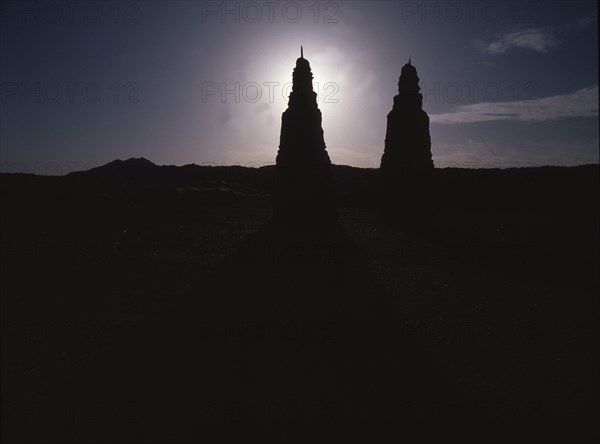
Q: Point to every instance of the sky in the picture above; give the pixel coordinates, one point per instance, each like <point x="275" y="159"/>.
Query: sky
<point x="505" y="83"/>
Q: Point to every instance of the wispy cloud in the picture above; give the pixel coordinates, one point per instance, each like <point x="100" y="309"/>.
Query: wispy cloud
<point x="582" y="103"/>
<point x="536" y="39"/>
<point x="518" y="153"/>
<point x="585" y="22"/>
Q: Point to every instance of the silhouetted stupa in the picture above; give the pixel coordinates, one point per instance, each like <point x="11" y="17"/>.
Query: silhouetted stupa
<point x="302" y="187"/>
<point x="406" y="165"/>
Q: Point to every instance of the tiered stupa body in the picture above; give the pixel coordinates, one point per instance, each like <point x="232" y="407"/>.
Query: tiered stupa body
<point x="407" y="165"/>
<point x="302" y="189"/>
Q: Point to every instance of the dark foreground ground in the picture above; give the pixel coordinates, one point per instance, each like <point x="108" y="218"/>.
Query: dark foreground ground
<point x="174" y="311"/>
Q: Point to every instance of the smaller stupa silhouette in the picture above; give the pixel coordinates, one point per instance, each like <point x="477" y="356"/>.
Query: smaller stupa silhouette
<point x="302" y="190"/>
<point x="407" y="166"/>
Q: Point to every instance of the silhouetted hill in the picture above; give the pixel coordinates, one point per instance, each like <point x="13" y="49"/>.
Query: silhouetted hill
<point x="128" y="166"/>
<point x="456" y="189"/>
<point x="133" y="170"/>
<point x="159" y="304"/>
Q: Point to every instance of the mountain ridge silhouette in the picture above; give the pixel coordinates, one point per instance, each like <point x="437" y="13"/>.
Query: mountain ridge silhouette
<point x="139" y="280"/>
<point x="134" y="164"/>
<point x="131" y="163"/>
<point x="489" y="189"/>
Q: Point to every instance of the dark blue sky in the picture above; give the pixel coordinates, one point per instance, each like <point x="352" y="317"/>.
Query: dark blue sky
<point x="82" y="83"/>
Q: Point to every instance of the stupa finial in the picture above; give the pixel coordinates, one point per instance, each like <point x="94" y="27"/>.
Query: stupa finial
<point x="301" y="52"/>
<point x="409" y="60"/>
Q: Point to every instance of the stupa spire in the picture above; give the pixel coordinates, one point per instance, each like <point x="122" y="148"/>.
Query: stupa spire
<point x="302" y="190"/>
<point x="407" y="164"/>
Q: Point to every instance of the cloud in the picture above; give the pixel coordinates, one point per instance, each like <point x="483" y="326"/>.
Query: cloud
<point x="536" y="39"/>
<point x="582" y="103"/>
<point x="519" y="153"/>
<point x="585" y="22"/>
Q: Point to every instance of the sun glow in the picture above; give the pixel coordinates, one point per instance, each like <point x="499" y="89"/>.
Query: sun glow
<point x="338" y="84"/>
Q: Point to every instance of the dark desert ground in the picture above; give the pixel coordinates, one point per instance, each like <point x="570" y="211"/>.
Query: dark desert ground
<point x="160" y="304"/>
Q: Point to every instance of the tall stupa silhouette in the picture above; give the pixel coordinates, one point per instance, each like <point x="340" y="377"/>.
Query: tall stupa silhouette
<point x="407" y="166"/>
<point x="302" y="187"/>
